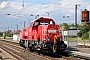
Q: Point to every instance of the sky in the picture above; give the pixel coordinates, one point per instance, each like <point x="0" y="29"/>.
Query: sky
<point x="16" y="12"/>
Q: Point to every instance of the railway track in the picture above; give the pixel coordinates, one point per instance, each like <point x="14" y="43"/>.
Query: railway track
<point x="22" y="54"/>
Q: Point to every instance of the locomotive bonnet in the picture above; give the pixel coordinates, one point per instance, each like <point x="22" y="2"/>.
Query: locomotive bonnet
<point x="42" y="35"/>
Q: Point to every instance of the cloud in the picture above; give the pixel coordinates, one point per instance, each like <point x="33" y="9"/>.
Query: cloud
<point x="56" y="11"/>
<point x="3" y="4"/>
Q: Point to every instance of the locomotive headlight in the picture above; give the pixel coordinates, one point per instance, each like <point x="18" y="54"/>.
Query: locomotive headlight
<point x="52" y="31"/>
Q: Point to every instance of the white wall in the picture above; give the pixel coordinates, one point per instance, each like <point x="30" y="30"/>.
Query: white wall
<point x="16" y="37"/>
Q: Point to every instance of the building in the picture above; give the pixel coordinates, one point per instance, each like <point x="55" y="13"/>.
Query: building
<point x="16" y="35"/>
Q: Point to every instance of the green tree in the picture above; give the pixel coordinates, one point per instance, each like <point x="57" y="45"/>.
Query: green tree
<point x="9" y="33"/>
<point x="85" y="36"/>
<point x="84" y="31"/>
<point x="66" y="25"/>
<point x="72" y="25"/>
<point x="1" y="34"/>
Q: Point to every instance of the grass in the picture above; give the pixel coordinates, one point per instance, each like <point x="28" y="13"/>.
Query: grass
<point x="6" y="37"/>
<point x="79" y="39"/>
<point x="70" y="39"/>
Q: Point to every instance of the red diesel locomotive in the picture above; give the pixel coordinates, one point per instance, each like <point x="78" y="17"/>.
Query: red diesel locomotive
<point x="42" y="35"/>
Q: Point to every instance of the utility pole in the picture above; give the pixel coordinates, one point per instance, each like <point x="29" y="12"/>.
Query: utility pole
<point x="8" y="28"/>
<point x="24" y="24"/>
<point x="17" y="26"/>
<point x="23" y="4"/>
<point x="89" y="35"/>
<point x="75" y="16"/>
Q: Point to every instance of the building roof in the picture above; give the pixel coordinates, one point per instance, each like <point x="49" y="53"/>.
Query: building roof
<point x="17" y="32"/>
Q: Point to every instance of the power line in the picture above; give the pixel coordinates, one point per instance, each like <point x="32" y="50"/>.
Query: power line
<point x="23" y="5"/>
<point x="34" y="11"/>
<point x="6" y="6"/>
<point x="19" y="13"/>
<point x="45" y="7"/>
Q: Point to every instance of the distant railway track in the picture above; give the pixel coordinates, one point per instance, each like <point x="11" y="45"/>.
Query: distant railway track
<point x="22" y="54"/>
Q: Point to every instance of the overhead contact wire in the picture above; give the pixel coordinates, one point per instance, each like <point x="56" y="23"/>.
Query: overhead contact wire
<point x="6" y="6"/>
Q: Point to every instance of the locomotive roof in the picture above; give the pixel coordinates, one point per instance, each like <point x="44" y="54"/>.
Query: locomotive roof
<point x="43" y="19"/>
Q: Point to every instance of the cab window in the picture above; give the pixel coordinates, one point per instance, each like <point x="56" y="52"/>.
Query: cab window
<point x="36" y="23"/>
<point x="44" y="23"/>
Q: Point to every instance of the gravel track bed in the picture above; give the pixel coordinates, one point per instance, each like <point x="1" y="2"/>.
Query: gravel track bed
<point x="28" y="55"/>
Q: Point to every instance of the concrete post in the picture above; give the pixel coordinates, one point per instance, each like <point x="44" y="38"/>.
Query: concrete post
<point x="89" y="35"/>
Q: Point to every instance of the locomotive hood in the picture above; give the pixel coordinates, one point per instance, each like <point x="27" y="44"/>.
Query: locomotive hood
<point x="48" y="32"/>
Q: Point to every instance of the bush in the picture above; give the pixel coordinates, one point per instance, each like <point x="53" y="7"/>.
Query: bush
<point x="85" y="36"/>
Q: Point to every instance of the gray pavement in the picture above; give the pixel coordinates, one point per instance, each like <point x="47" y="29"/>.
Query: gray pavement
<point x="80" y="51"/>
<point x="79" y="46"/>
